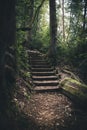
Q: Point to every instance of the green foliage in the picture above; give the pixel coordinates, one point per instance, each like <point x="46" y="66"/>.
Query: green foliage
<point x="41" y="41"/>
<point x="76" y="90"/>
<point x="22" y="58"/>
<point x="21" y="52"/>
<point x="72" y="50"/>
<point x="36" y="44"/>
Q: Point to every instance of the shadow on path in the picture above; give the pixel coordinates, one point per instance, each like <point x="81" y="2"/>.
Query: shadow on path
<point x="52" y="111"/>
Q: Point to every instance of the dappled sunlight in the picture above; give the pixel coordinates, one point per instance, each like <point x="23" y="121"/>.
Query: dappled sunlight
<point x="50" y="109"/>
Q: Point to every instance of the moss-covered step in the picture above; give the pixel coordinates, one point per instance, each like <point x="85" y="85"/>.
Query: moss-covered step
<point x="75" y="90"/>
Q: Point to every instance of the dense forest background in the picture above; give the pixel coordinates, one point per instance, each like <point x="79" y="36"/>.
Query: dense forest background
<point x="56" y="28"/>
<point x="66" y="20"/>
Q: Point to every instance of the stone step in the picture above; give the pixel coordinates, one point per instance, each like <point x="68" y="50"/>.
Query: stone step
<point x="32" y="55"/>
<point x="46" y="83"/>
<point x="36" y="58"/>
<point x="39" y="63"/>
<point x="43" y="74"/>
<point x="47" y="89"/>
<point x="41" y="66"/>
<point x="35" y="54"/>
<point x="51" y="73"/>
<point x="41" y="69"/>
<point x="41" y="78"/>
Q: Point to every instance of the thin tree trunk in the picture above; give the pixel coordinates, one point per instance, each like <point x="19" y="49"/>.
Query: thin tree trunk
<point x="84" y="17"/>
<point x="53" y="27"/>
<point x="63" y="20"/>
<point x="31" y="11"/>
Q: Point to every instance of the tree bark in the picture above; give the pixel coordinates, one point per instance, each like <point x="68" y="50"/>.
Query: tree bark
<point x="31" y="11"/>
<point x="84" y="17"/>
<point x="63" y="20"/>
<point x="53" y="28"/>
<point x="7" y="52"/>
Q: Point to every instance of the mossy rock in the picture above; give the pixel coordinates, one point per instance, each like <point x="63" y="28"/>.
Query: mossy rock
<point x="75" y="90"/>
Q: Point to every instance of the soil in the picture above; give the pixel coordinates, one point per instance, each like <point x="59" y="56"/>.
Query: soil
<point x="49" y="110"/>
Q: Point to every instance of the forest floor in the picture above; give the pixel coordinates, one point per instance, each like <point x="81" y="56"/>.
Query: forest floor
<point x="48" y="111"/>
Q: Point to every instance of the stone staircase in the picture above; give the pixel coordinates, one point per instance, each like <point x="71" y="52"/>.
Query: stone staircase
<point x="43" y="74"/>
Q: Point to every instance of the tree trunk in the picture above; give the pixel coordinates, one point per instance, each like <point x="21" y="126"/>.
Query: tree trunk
<point x="31" y="11"/>
<point x="84" y="17"/>
<point x="7" y="53"/>
<point x="63" y="20"/>
<point x="53" y="28"/>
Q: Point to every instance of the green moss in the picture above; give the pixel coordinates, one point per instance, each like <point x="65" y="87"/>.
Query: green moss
<point x="78" y="83"/>
<point x="70" y="80"/>
<point x="64" y="82"/>
<point x="75" y="88"/>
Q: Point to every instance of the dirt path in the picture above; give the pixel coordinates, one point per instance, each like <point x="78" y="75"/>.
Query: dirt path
<point x="49" y="111"/>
